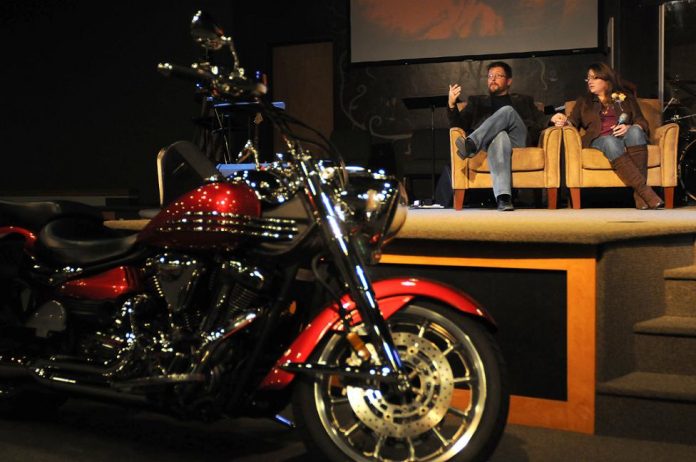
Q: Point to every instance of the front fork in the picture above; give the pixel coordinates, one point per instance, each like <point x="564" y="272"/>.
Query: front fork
<point x="346" y="255"/>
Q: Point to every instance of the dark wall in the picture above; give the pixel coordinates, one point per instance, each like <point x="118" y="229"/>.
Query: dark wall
<point x="84" y="108"/>
<point x="637" y="26"/>
<point x="371" y="97"/>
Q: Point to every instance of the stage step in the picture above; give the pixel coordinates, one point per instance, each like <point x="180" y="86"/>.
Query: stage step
<point x="680" y="291"/>
<point x="653" y="386"/>
<point x="646" y="419"/>
<point x="678" y="326"/>
<point x="646" y="405"/>
<point x="683" y="272"/>
<point x="667" y="354"/>
<point x="656" y="401"/>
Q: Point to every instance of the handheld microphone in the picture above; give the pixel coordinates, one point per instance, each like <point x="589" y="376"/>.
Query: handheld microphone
<point x="623" y="119"/>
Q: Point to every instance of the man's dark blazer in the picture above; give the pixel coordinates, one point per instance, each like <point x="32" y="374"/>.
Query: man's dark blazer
<point x="478" y="108"/>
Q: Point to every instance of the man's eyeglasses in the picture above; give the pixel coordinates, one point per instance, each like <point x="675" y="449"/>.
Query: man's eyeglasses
<point x="591" y="77"/>
<point x="496" y="76"/>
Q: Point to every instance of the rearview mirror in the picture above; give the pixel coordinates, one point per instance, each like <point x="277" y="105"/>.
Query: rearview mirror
<point x="206" y="32"/>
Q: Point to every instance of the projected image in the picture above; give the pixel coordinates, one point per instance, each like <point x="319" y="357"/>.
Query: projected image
<point x="398" y="30"/>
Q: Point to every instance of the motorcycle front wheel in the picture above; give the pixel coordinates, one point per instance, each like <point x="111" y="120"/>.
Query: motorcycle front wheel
<point x="455" y="410"/>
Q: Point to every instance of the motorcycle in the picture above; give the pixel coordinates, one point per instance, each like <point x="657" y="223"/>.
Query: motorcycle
<point x="247" y="295"/>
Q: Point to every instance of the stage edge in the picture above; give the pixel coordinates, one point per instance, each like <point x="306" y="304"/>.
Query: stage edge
<point x="577" y="413"/>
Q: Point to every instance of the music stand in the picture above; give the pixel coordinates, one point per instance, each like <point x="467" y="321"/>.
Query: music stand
<point x="424" y="102"/>
<point x="228" y="119"/>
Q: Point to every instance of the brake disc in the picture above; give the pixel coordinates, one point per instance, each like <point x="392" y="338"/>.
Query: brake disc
<point x="402" y="415"/>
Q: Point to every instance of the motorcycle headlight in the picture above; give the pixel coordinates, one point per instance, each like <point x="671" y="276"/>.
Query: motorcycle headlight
<point x="379" y="206"/>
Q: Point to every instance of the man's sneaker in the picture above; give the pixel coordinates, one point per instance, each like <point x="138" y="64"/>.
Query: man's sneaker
<point x="505" y="203"/>
<point x="465" y="147"/>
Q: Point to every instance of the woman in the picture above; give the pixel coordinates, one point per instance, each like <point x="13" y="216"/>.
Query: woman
<point x="614" y="124"/>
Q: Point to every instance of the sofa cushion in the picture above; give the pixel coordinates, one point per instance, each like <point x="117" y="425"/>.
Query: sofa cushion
<point x="523" y="160"/>
<point x="593" y="159"/>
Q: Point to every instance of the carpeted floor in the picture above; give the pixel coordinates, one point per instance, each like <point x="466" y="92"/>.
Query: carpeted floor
<point x="85" y="431"/>
<point x="567" y="226"/>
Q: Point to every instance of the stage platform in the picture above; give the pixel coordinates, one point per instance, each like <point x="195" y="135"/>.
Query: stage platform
<point x="596" y="308"/>
<point x="562" y="226"/>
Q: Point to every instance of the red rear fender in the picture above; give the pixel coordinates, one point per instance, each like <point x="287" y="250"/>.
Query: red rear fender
<point x="29" y="237"/>
<point x="392" y="295"/>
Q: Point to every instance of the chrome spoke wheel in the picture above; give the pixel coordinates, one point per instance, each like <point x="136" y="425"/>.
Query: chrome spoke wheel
<point x="434" y="420"/>
<point x="422" y="407"/>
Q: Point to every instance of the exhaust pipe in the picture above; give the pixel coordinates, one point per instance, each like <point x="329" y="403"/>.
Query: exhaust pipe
<point x="70" y="385"/>
<point x="56" y="376"/>
<point x="14" y="367"/>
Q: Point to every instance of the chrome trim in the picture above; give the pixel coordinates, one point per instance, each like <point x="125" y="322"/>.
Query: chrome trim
<point x="155" y="381"/>
<point x="235" y="215"/>
<point x="273" y="183"/>
<point x="182" y="274"/>
<point x="160" y="175"/>
<point x="273" y="229"/>
<point x="251" y="277"/>
<point x="347" y="257"/>
<point x="383" y="374"/>
<point x="283" y="421"/>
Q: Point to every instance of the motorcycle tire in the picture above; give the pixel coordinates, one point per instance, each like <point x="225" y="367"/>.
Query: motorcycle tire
<point x="442" y="350"/>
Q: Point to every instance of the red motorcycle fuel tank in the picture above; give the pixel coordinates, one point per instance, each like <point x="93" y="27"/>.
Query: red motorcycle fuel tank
<point x="212" y="216"/>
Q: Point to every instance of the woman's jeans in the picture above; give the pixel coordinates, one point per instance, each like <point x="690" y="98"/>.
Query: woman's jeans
<point x="613" y="147"/>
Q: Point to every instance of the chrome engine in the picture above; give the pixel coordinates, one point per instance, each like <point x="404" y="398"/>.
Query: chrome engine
<point x="175" y="333"/>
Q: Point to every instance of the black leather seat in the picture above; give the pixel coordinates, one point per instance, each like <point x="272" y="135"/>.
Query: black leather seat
<point x="33" y="215"/>
<point x="82" y="242"/>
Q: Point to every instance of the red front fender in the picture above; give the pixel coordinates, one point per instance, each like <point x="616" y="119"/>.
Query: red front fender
<point x="392" y="295"/>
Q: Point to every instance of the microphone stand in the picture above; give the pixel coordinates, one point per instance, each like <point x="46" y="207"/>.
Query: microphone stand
<point x="429" y="102"/>
<point x="432" y="138"/>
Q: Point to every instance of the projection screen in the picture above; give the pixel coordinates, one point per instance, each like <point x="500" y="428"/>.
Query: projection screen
<point x="410" y="30"/>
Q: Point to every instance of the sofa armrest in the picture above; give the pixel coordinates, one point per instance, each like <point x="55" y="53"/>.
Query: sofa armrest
<point x="550" y="141"/>
<point x="667" y="138"/>
<point x="669" y="131"/>
<point x="460" y="180"/>
<point x="573" y="157"/>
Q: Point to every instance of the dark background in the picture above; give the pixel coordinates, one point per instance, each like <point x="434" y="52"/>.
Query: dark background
<point x="84" y="109"/>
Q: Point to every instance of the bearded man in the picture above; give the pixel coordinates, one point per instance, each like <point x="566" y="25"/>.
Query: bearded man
<point x="496" y="123"/>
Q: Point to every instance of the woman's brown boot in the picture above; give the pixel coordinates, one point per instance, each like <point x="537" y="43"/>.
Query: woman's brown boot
<point x="629" y="174"/>
<point x="639" y="156"/>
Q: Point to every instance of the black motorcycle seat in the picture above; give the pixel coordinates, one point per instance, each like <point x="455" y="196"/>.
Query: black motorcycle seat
<point x="33" y="215"/>
<point x="82" y="242"/>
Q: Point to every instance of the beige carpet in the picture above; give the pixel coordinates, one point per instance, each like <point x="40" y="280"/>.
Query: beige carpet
<point x="586" y="226"/>
<point x="567" y="226"/>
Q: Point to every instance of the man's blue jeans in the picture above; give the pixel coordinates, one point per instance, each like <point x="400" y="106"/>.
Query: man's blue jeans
<point x="497" y="135"/>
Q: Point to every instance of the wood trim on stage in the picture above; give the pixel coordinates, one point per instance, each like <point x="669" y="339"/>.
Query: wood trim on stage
<point x="577" y="413"/>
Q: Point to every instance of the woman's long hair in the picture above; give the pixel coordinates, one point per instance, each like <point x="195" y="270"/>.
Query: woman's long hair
<point x="607" y="74"/>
